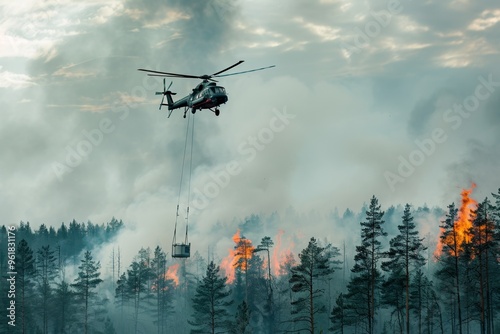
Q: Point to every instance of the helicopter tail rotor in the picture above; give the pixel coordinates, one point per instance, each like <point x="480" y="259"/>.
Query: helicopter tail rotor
<point x="166" y="93"/>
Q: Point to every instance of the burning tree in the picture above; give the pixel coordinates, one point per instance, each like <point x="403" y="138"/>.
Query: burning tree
<point x="449" y="261"/>
<point x="484" y="262"/>
<point x="455" y="239"/>
<point x="237" y="263"/>
<point x="238" y="257"/>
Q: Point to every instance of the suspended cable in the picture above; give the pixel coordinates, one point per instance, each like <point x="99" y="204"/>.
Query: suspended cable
<point x="180" y="183"/>
<point x="184" y="159"/>
<point x="189" y="181"/>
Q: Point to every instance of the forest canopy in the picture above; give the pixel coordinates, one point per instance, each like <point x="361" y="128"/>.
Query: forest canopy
<point x="395" y="279"/>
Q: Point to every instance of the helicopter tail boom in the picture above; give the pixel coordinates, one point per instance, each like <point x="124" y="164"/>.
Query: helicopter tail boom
<point x="170" y="101"/>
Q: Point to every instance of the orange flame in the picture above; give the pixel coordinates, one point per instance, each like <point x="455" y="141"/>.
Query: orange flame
<point x="243" y="251"/>
<point x="439" y="246"/>
<point x="238" y="257"/>
<point x="288" y="262"/>
<point x="172" y="273"/>
<point x="462" y="226"/>
<point x="275" y="259"/>
<point x="280" y="255"/>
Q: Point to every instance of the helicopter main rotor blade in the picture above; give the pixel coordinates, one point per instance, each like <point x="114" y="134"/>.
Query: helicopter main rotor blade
<point x="257" y="69"/>
<point x="230" y="67"/>
<point x="167" y="74"/>
<point x="171" y="76"/>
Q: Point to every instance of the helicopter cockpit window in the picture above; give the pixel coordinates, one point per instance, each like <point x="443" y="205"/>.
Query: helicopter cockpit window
<point x="218" y="90"/>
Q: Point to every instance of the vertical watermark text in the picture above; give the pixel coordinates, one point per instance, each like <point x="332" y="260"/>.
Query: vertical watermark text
<point x="11" y="275"/>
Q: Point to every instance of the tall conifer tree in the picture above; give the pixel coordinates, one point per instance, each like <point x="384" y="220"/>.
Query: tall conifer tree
<point x="405" y="256"/>
<point x="365" y="283"/>
<point x="316" y="264"/>
<point x="210" y="303"/>
<point x="85" y="284"/>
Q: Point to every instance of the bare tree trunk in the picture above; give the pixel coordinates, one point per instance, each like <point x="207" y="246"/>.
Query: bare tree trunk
<point x="407" y="288"/>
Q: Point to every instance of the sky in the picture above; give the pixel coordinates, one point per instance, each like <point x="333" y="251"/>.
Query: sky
<point x="397" y="99"/>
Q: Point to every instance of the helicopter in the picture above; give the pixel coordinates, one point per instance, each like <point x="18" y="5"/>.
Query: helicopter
<point x="206" y="95"/>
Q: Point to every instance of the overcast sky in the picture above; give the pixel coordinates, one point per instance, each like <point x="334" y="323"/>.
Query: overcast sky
<point x="398" y="99"/>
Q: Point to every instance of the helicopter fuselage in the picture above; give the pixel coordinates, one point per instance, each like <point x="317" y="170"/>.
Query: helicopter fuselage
<point x="206" y="95"/>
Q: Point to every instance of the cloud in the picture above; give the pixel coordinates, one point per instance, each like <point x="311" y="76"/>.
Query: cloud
<point x="15" y="80"/>
<point x="354" y="116"/>
<point x="488" y="19"/>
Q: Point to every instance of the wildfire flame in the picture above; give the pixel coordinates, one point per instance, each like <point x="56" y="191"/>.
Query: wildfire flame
<point x="172" y="273"/>
<point x="439" y="246"/>
<point x="461" y="226"/>
<point x="280" y="255"/>
<point x="244" y="250"/>
<point x="238" y="257"/>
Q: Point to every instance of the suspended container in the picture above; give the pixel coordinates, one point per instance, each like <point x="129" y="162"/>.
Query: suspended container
<point x="181" y="250"/>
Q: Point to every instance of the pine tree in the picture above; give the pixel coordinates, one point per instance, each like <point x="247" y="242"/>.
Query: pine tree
<point x="393" y="294"/>
<point x="405" y="256"/>
<point x="365" y="283"/>
<point x="417" y="290"/>
<point x="284" y="295"/>
<point x="163" y="288"/>
<point x="495" y="270"/>
<point x="483" y="261"/>
<point x="258" y="301"/>
<point x="265" y="245"/>
<point x="342" y="315"/>
<point x="315" y="264"/>
<point x="210" y="303"/>
<point x="121" y="297"/>
<point x="138" y="284"/>
<point x="25" y="268"/>
<point x="24" y="232"/>
<point x="63" y="307"/>
<point x="46" y="270"/>
<point x="85" y="284"/>
<point x="42" y="235"/>
<point x="244" y="251"/>
<point x="431" y="307"/>
<point x="242" y="320"/>
<point x="496" y="206"/>
<point x="76" y="237"/>
<point x="452" y="246"/>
